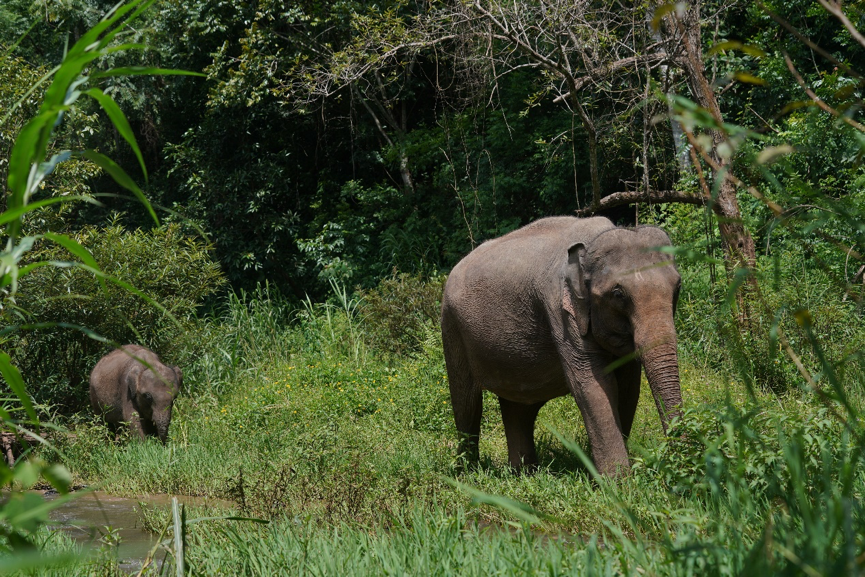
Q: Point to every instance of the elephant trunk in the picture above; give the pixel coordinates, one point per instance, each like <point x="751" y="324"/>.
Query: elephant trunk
<point x="161" y="423"/>
<point x="657" y="349"/>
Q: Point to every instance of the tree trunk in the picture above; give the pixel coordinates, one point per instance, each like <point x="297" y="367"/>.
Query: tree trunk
<point x="593" y="145"/>
<point x="738" y="244"/>
<point x="679" y="141"/>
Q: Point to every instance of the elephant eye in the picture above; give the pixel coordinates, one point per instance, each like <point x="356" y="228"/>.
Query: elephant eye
<point x="618" y="292"/>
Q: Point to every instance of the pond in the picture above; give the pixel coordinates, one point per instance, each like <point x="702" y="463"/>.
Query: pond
<point x="95" y="517"/>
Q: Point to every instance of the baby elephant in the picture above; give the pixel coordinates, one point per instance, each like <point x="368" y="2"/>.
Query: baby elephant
<point x="123" y="389"/>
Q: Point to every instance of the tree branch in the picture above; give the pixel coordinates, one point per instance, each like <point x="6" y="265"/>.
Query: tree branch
<point x="650" y="197"/>
<point x="834" y="8"/>
<point x="631" y="61"/>
<point x="817" y="100"/>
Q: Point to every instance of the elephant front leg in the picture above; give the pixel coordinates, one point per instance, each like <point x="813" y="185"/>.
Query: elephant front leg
<point x="136" y="427"/>
<point x="597" y="397"/>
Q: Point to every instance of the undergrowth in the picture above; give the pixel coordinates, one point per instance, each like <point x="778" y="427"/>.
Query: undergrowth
<point x="346" y="448"/>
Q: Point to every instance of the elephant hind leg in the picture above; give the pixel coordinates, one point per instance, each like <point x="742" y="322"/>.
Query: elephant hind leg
<point x="466" y="394"/>
<point x="519" y="420"/>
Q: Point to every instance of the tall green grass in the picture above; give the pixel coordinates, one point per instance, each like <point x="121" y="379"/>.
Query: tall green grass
<point x="352" y="457"/>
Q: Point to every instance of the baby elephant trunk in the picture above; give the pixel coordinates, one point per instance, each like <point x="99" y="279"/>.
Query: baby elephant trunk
<point x="161" y="422"/>
<point x="657" y="349"/>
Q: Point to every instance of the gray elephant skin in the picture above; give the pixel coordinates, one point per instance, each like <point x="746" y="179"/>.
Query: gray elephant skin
<point x="123" y="389"/>
<point x="563" y="306"/>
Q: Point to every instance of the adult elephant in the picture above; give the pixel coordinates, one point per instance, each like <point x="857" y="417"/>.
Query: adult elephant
<point x="563" y="305"/>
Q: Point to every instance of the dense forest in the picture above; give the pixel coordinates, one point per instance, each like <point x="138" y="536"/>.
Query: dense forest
<point x="271" y="194"/>
<point x="341" y="140"/>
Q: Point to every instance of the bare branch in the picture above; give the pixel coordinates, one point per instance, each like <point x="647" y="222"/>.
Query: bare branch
<point x="834" y="8"/>
<point x="611" y="68"/>
<point x="816" y="99"/>
<point x="641" y="196"/>
<point x="808" y="42"/>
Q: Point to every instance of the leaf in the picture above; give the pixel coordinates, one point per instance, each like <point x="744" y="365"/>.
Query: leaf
<point x="772" y="153"/>
<point x="135" y="291"/>
<point x="803" y="318"/>
<point x="24" y="510"/>
<point x="41" y="509"/>
<point x="660" y="12"/>
<point x="115" y="114"/>
<point x="749" y="78"/>
<point x="12" y="376"/>
<point x="16" y="213"/>
<point x="144" y="71"/>
<point x="24" y="155"/>
<point x="59" y="477"/>
<point x="518" y="509"/>
<point x="749" y="49"/>
<point x="23" y="561"/>
<point x="74" y="247"/>
<point x="88" y="40"/>
<point x="578" y="451"/>
<point x="120" y="176"/>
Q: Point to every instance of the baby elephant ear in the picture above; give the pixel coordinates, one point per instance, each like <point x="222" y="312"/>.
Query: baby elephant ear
<point x="179" y="374"/>
<point x="576" y="294"/>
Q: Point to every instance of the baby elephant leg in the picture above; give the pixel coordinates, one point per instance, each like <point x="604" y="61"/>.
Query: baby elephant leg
<point x="136" y="427"/>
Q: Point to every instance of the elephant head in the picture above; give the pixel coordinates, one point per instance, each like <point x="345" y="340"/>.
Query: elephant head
<point x="624" y="292"/>
<point x="153" y="391"/>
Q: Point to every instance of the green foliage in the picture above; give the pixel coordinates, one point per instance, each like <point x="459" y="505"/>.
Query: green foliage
<point x="288" y="412"/>
<point x="327" y="446"/>
<point x="400" y="311"/>
<point x="168" y="266"/>
<point x="30" y="161"/>
<point x="728" y="449"/>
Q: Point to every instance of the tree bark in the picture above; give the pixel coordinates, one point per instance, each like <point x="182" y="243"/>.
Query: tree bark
<point x="642" y="196"/>
<point x="593" y="147"/>
<point x="738" y="244"/>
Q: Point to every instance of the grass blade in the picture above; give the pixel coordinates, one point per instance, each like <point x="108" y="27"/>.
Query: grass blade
<point x="115" y="114"/>
<point x="120" y="176"/>
<point x="144" y="71"/>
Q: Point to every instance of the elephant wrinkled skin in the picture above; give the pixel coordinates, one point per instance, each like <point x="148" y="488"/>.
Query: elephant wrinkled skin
<point x="123" y="389"/>
<point x="543" y="312"/>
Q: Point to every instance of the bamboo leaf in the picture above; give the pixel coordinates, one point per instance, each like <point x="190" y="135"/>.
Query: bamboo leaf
<point x="12" y="376"/>
<point x="120" y="176"/>
<point x="88" y="40"/>
<point x="16" y="213"/>
<point x="74" y="247"/>
<point x="115" y="114"/>
<point x="24" y="155"/>
<point x="749" y="78"/>
<point x="144" y="71"/>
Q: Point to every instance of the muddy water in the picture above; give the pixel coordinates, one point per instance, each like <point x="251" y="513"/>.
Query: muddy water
<point x="86" y="518"/>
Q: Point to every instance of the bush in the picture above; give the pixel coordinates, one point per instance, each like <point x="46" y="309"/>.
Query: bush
<point x="396" y="311"/>
<point x="174" y="270"/>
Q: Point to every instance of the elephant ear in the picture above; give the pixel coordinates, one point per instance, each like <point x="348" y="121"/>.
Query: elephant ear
<point x="576" y="294"/>
<point x="179" y="376"/>
<point x="133" y="376"/>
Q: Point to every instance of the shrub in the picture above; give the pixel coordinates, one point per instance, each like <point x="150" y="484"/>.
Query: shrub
<point x="171" y="268"/>
<point x="396" y="311"/>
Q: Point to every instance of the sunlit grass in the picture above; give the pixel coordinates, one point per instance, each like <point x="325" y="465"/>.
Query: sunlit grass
<point x="347" y="452"/>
